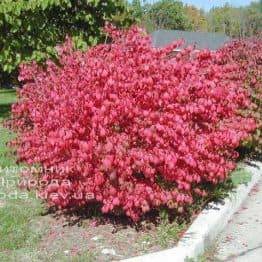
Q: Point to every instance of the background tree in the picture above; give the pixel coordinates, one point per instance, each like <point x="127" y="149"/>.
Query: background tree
<point x="137" y="7"/>
<point x="31" y="28"/>
<point x="236" y="22"/>
<point x="168" y="14"/>
<point x="253" y="18"/>
<point x="196" y="17"/>
<point x="220" y="19"/>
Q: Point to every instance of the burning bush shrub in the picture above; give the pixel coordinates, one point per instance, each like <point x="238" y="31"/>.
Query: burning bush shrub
<point x="248" y="56"/>
<point x="128" y="126"/>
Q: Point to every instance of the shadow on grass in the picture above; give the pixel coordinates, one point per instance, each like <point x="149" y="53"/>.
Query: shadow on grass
<point x="7" y="91"/>
<point x="5" y="110"/>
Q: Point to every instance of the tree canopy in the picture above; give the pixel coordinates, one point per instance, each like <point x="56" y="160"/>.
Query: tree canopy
<point x="172" y="14"/>
<point x="30" y="29"/>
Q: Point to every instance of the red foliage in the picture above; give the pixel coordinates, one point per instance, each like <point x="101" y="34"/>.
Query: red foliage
<point x="129" y="124"/>
<point x="247" y="54"/>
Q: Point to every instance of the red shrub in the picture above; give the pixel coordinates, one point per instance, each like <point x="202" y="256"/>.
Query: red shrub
<point x="247" y="54"/>
<point x="130" y="125"/>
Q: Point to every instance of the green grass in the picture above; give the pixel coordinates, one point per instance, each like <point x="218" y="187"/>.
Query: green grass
<point x="6" y="155"/>
<point x="16" y="229"/>
<point x="168" y="232"/>
<point x="7" y="97"/>
<point x="240" y="176"/>
<point x="18" y="208"/>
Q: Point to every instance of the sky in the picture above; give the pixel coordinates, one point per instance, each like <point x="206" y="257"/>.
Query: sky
<point x="207" y="4"/>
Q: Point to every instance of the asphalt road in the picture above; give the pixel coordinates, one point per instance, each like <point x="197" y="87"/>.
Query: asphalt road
<point x="241" y="241"/>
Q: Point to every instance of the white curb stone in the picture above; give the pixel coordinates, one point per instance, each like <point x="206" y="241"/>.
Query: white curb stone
<point x="108" y="251"/>
<point x="206" y="227"/>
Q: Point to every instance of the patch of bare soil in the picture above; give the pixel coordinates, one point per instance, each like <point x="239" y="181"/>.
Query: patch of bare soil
<point x="107" y="238"/>
<point x="2" y="203"/>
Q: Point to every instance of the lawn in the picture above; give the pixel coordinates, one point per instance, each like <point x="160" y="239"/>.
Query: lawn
<point x="7" y="97"/>
<point x="29" y="233"/>
<point x="16" y="214"/>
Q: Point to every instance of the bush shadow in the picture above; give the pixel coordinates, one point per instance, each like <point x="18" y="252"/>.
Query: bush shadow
<point x="118" y="220"/>
<point x="5" y="110"/>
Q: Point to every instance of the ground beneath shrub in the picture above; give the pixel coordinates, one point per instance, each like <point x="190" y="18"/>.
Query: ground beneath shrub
<point x="102" y="240"/>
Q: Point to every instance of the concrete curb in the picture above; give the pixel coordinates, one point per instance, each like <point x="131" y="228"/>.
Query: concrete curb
<point x="206" y="226"/>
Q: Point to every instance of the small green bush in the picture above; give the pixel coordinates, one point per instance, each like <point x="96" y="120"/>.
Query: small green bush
<point x="29" y="29"/>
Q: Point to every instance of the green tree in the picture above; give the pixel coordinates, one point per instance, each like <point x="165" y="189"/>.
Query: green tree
<point x="31" y="28"/>
<point x="236" y="22"/>
<point x="253" y="19"/>
<point x="196" y="18"/>
<point x="168" y="14"/>
<point x="220" y="19"/>
<point x="137" y="7"/>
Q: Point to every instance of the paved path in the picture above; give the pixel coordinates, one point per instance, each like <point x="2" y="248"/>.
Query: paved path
<point x="241" y="241"/>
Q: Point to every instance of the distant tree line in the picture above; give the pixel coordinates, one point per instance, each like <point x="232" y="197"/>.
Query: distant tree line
<point x="171" y="14"/>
